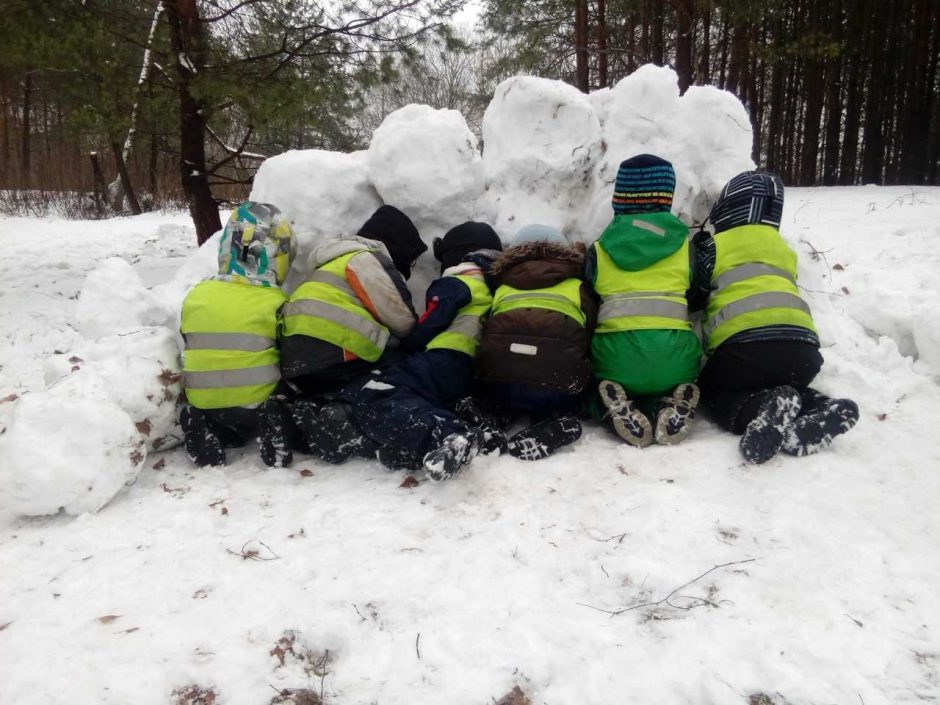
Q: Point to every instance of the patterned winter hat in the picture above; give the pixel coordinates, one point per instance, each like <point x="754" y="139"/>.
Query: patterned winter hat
<point x="395" y="230"/>
<point x="751" y="198"/>
<point x="257" y="244"/>
<point x="463" y="239"/>
<point x="645" y="184"/>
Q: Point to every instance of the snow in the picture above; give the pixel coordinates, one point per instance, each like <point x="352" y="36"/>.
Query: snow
<point x="457" y="591"/>
<point x="672" y="574"/>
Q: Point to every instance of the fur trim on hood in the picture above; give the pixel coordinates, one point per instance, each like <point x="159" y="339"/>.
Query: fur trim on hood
<point x="538" y="251"/>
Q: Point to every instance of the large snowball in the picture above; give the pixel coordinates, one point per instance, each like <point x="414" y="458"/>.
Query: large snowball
<point x="541" y="141"/>
<point x="425" y="162"/>
<point x="140" y="372"/>
<point x="115" y="300"/>
<point x="67" y="447"/>
<point x="706" y="134"/>
<point x="323" y="194"/>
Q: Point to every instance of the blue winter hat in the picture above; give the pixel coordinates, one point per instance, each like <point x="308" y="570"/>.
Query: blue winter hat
<point x="538" y="233"/>
<point x="750" y="198"/>
<point x="645" y="184"/>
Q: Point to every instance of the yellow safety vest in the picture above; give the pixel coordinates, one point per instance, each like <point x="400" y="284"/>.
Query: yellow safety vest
<point x="325" y="307"/>
<point x="230" y="334"/>
<point x="652" y="298"/>
<point x="564" y="298"/>
<point x="465" y="331"/>
<point x="753" y="285"/>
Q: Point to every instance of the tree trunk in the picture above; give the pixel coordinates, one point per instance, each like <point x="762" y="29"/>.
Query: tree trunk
<point x="704" y="66"/>
<point x="916" y="129"/>
<point x="858" y="28"/>
<point x="100" y="189"/>
<point x="24" y="136"/>
<point x="873" y="149"/>
<point x="814" y="103"/>
<point x="684" y="10"/>
<point x="128" y="190"/>
<point x="582" y="78"/>
<point x="657" y="31"/>
<point x="602" y="58"/>
<point x="186" y="38"/>
<point x="833" y="99"/>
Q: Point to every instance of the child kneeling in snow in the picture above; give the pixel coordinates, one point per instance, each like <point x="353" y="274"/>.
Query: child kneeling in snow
<point x="535" y="353"/>
<point x="759" y="336"/>
<point x="645" y="353"/>
<point x="229" y="327"/>
<point x="343" y="322"/>
<point x="407" y="410"/>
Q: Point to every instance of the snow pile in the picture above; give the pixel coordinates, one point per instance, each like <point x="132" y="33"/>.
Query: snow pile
<point x="140" y="372"/>
<point x="295" y="182"/>
<point x="549" y="154"/>
<point x="542" y="140"/>
<point x="115" y="300"/>
<point x="68" y="447"/>
<point x="426" y="162"/>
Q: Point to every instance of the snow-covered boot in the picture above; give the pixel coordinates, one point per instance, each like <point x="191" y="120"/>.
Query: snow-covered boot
<point x="202" y="446"/>
<point x="454" y="451"/>
<point x="543" y="438"/>
<point x="674" y="414"/>
<point x="469" y="412"/>
<point x="821" y="420"/>
<point x="763" y="436"/>
<point x="623" y="417"/>
<point x="400" y="458"/>
<point x="327" y="430"/>
<point x="272" y="435"/>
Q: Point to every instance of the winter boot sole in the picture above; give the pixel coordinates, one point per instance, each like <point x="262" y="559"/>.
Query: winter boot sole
<point x="625" y="418"/>
<point x="544" y="438"/>
<point x="673" y="422"/>
<point x="763" y="436"/>
<point x="816" y="430"/>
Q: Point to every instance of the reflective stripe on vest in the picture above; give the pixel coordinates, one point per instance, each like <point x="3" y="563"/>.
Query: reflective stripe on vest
<point x="228" y="341"/>
<point x="648" y="299"/>
<point x="218" y="379"/>
<point x="753" y="285"/>
<point x="466" y="330"/>
<point x="326" y="307"/>
<point x="230" y="358"/>
<point x="564" y="298"/>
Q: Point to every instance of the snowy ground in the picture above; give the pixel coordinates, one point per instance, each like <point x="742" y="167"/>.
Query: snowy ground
<point x="810" y="580"/>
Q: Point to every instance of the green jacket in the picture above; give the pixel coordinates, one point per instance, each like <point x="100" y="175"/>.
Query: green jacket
<point x="646" y="361"/>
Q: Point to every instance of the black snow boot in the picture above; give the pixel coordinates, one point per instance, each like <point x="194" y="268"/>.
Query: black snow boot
<point x="454" y="451"/>
<point x="623" y="417"/>
<point x="763" y="436"/>
<point x="820" y="421"/>
<point x="327" y="430"/>
<point x="468" y="411"/>
<point x="674" y="414"/>
<point x="273" y="439"/>
<point x="202" y="446"/>
<point x="400" y="458"/>
<point x="542" y="439"/>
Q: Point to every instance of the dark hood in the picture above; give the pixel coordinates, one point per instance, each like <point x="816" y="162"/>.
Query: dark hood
<point x="537" y="265"/>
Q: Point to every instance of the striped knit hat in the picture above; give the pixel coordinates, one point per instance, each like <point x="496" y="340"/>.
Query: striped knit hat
<point x="750" y="198"/>
<point x="645" y="184"/>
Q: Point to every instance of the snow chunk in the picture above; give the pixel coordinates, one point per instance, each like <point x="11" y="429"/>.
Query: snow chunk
<point x="115" y="300"/>
<point x="49" y="460"/>
<point x="542" y="139"/>
<point x="141" y="373"/>
<point x="323" y="194"/>
<point x="426" y="162"/>
<point x="706" y="134"/>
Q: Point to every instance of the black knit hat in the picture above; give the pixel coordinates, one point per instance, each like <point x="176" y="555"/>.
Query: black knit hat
<point x="463" y="239"/>
<point x="645" y="184"/>
<point x="395" y="230"/>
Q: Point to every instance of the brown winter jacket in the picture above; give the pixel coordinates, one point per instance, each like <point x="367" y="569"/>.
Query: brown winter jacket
<point x="562" y="358"/>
